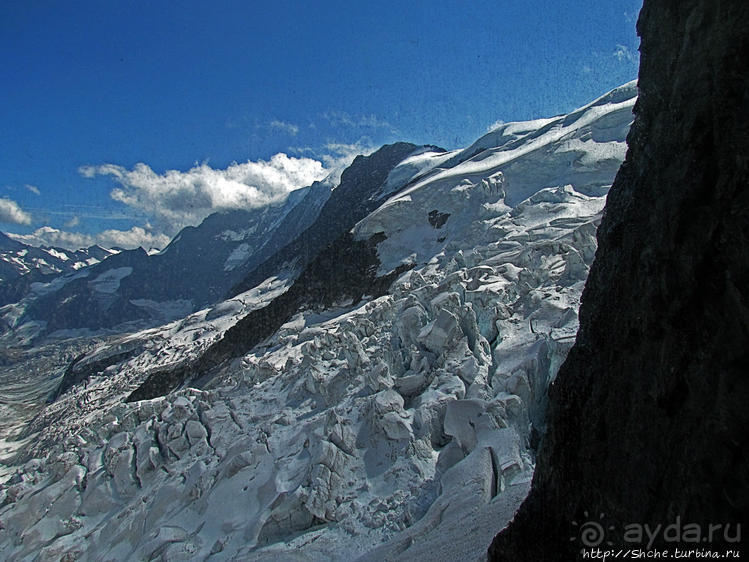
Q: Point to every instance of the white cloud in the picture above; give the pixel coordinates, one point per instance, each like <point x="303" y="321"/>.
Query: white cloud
<point x="32" y="188"/>
<point x="48" y="236"/>
<point x="346" y="120"/>
<point x="11" y="213"/>
<point x="336" y="155"/>
<point x="176" y="199"/>
<point x="73" y="222"/>
<point x="495" y="125"/>
<point x="285" y="127"/>
<point x="87" y="171"/>
<point x="624" y="54"/>
<point x="375" y="122"/>
<point x="133" y="238"/>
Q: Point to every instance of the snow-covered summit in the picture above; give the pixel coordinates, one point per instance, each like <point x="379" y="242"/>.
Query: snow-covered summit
<point x="22" y="265"/>
<point x="452" y="197"/>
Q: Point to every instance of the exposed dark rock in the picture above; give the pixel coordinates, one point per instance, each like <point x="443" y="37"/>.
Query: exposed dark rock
<point x="648" y="416"/>
<point x="193" y="266"/>
<point x="301" y="216"/>
<point x="14" y="285"/>
<point x="334" y="267"/>
<point x="8" y="244"/>
<point x="238" y="248"/>
<point x="80" y="370"/>
<point x="437" y="219"/>
<point x="75" y="305"/>
<point x="22" y="265"/>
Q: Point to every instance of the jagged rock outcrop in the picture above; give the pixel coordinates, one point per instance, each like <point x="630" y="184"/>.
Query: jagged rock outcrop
<point x="21" y="265"/>
<point x="648" y="416"/>
<point x="344" y="271"/>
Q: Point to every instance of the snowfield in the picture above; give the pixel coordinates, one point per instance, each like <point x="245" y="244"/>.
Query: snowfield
<point x="395" y="428"/>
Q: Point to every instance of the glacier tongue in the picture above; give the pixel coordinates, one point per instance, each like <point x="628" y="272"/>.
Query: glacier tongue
<point x="400" y="427"/>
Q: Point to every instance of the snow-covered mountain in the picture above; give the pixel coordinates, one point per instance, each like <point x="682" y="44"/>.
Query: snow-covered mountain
<point x="380" y="400"/>
<point x="197" y="268"/>
<point x="22" y="265"/>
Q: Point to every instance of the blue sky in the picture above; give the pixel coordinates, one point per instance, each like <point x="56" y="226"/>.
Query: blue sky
<point x="121" y="122"/>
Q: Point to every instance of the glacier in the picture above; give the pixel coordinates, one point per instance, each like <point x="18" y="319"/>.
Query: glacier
<point x="393" y="427"/>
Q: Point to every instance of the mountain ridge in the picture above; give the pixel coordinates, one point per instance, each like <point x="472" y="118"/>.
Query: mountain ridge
<point x="349" y="202"/>
<point x="195" y="269"/>
<point x="22" y="265"/>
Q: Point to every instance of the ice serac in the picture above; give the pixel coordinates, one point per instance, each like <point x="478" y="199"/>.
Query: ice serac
<point x="381" y="402"/>
<point x="648" y="416"/>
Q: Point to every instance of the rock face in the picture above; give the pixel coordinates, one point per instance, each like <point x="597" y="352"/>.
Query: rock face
<point x="648" y="416"/>
<point x="344" y="271"/>
<point x="334" y="267"/>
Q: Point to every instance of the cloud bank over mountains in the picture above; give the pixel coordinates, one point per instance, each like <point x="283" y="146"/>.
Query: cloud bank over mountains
<point x="174" y="199"/>
<point x="111" y="238"/>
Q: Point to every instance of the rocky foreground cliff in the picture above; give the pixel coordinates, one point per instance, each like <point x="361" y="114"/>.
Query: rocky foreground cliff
<point x="648" y="416"/>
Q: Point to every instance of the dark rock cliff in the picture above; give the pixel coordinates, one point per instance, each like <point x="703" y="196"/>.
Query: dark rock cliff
<point x="22" y="265"/>
<point x="75" y="305"/>
<point x="649" y="416"/>
<point x="332" y="267"/>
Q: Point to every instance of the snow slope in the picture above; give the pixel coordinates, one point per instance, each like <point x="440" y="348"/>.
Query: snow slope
<point x="398" y="427"/>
